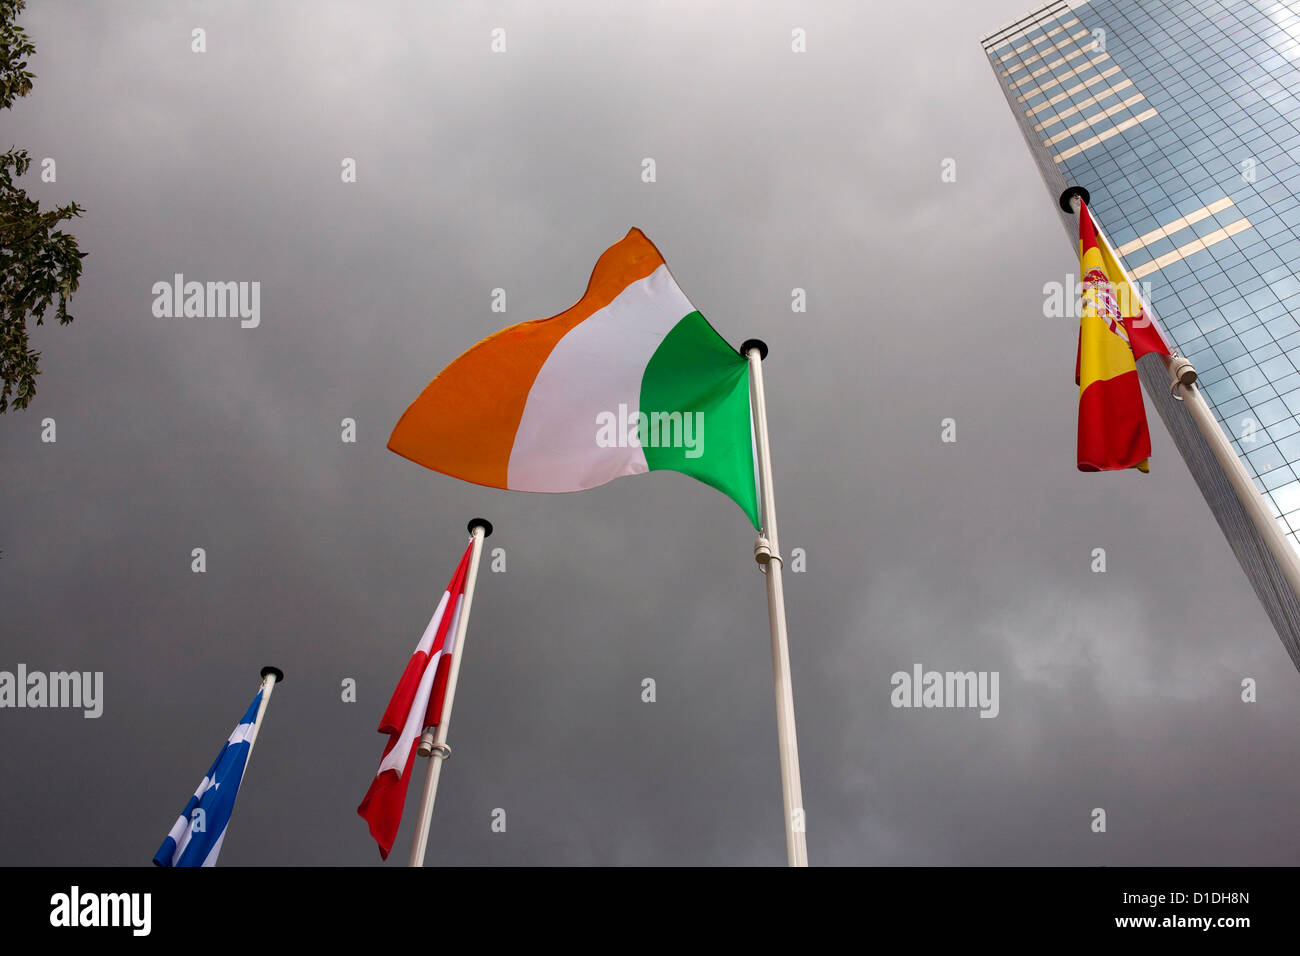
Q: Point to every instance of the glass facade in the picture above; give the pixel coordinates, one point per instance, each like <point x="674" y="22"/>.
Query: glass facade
<point x="1182" y="119"/>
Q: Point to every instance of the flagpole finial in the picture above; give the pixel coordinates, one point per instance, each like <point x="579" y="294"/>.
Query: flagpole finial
<point x="279" y="674"/>
<point x="754" y="344"/>
<point x="1067" y="197"/>
<point x="480" y="523"/>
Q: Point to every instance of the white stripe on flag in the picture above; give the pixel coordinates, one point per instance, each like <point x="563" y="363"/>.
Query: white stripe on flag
<point x="414" y="726"/>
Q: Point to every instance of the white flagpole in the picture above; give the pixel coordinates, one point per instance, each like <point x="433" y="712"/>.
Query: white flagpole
<point x="767" y="553"/>
<point x="270" y="677"/>
<point x="1183" y="375"/>
<point x="434" y="744"/>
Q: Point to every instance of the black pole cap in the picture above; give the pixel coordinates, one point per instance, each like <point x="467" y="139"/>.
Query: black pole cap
<point x="754" y="344"/>
<point x="480" y="523"/>
<point x="279" y="674"/>
<point x="1070" y="193"/>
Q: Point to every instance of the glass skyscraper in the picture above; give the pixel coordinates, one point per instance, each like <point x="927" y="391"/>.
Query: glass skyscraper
<point x="1182" y="120"/>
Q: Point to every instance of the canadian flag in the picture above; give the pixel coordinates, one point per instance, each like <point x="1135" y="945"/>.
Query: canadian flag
<point x="416" y="704"/>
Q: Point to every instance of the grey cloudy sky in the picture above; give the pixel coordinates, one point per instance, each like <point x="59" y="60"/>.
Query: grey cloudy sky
<point x="775" y="170"/>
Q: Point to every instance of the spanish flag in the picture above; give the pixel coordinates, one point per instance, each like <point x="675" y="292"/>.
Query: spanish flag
<point x="1114" y="331"/>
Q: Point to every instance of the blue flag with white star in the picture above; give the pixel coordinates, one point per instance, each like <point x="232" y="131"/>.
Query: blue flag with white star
<point x="196" y="838"/>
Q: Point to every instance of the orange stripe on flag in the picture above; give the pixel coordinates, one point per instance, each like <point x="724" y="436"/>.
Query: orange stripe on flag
<point x="464" y="422"/>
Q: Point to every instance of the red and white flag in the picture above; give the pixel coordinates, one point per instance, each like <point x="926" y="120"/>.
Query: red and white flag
<point x="416" y="704"/>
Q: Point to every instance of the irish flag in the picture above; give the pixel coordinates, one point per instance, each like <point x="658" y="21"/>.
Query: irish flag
<point x="1114" y="332"/>
<point x="630" y="379"/>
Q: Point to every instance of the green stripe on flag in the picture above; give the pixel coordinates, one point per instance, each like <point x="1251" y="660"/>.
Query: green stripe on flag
<point x="695" y="406"/>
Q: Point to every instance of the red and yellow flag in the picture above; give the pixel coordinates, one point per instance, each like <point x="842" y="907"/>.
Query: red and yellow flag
<point x="1114" y="332"/>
